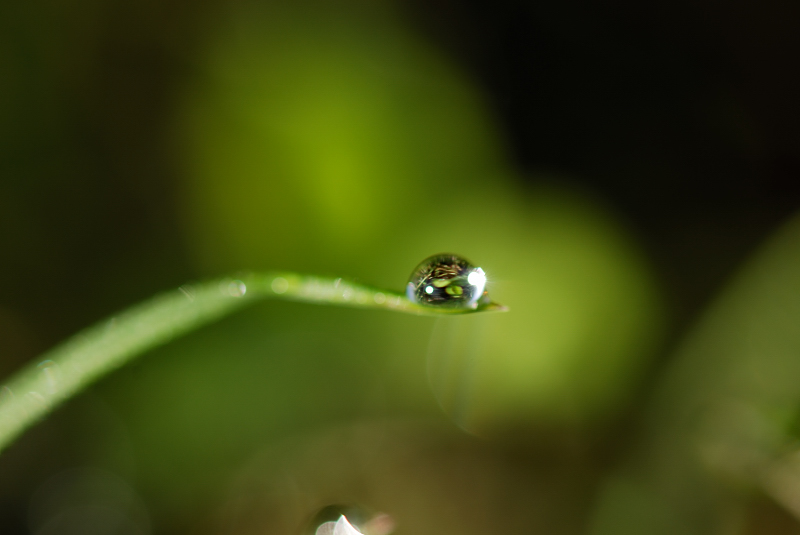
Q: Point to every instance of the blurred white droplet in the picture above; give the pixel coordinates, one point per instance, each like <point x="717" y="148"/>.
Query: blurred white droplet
<point x="343" y="527"/>
<point x="336" y="520"/>
<point x="325" y="529"/>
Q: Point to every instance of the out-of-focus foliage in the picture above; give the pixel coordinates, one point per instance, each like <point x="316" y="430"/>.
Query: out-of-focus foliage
<point x="735" y="374"/>
<point x="724" y="421"/>
<point x="353" y="138"/>
<point x="145" y="144"/>
<point x="325" y="141"/>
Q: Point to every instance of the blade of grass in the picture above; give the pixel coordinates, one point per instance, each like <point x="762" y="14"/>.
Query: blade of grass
<point x="68" y="368"/>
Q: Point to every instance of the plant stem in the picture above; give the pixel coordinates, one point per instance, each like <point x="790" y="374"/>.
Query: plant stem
<point x="68" y="368"/>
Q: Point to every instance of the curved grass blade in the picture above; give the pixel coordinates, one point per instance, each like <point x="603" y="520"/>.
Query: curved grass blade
<point x="68" y="368"/>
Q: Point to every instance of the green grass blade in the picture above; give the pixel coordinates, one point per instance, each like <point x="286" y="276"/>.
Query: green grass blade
<point x="66" y="369"/>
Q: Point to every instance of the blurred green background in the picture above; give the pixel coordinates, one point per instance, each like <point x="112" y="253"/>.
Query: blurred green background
<point x="625" y="174"/>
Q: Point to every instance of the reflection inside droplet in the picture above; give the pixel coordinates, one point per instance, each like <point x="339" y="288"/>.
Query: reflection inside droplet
<point x="446" y="280"/>
<point x="326" y="528"/>
<point x="36" y="398"/>
<point x="236" y="288"/>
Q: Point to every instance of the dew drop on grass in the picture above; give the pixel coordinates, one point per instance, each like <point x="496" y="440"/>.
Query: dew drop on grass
<point x="188" y="291"/>
<point x="36" y="398"/>
<point x="50" y="371"/>
<point x="447" y="281"/>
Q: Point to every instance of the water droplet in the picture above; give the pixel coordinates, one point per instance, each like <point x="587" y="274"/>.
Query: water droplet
<point x="326" y="528"/>
<point x="37" y="399"/>
<point x="347" y="293"/>
<point x="236" y="288"/>
<point x="325" y="519"/>
<point x="379" y="298"/>
<point x="51" y="374"/>
<point x="188" y="291"/>
<point x="446" y="280"/>
<point x="279" y="285"/>
<point x="6" y="394"/>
